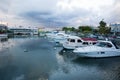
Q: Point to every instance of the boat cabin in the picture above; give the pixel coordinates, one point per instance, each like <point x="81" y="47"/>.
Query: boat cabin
<point x="107" y="44"/>
<point x="75" y="41"/>
<point x="84" y="41"/>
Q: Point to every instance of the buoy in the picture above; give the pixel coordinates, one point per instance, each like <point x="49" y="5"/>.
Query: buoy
<point x="25" y="50"/>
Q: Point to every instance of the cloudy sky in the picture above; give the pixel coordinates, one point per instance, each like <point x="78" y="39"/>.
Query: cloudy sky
<point x="58" y="13"/>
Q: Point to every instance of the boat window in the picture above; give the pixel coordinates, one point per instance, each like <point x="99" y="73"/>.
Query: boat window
<point x="104" y="44"/>
<point x="72" y="40"/>
<point x="94" y="43"/>
<point x="68" y="39"/>
<point x="109" y="45"/>
<point x="90" y="42"/>
<point x="85" y="43"/>
<point x="115" y="44"/>
<point x="79" y="41"/>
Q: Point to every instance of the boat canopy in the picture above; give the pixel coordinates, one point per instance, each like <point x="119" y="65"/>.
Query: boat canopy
<point x="89" y="39"/>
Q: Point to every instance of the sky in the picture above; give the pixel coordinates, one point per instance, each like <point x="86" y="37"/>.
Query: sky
<point x="58" y="13"/>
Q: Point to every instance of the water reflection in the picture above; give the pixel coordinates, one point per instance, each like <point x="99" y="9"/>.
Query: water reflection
<point x="86" y="68"/>
<point x="36" y="64"/>
<point x="108" y="67"/>
<point x="44" y="61"/>
<point x="67" y="54"/>
<point x="3" y="39"/>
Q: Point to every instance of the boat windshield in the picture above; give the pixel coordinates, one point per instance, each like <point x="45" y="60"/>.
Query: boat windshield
<point x="116" y="44"/>
<point x="104" y="44"/>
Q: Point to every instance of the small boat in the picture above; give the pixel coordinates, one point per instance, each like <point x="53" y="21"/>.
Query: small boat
<point x="60" y="38"/>
<point x="75" y="41"/>
<point x="99" y="50"/>
<point x="51" y="34"/>
<point x="57" y="37"/>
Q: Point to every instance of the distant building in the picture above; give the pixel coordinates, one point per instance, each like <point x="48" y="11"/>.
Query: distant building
<point x="20" y="31"/>
<point x="35" y="31"/>
<point x="46" y="29"/>
<point x="3" y="31"/>
<point x="115" y="28"/>
<point x="3" y="28"/>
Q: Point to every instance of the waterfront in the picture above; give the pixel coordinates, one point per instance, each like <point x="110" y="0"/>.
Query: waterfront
<point x="37" y="58"/>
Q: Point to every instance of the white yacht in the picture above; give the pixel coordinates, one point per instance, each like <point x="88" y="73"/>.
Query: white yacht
<point x="101" y="49"/>
<point x="51" y="34"/>
<point x="75" y="41"/>
<point x="60" y="38"/>
<point x="57" y="37"/>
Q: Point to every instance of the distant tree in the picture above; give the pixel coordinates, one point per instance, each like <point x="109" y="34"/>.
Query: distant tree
<point x="68" y="29"/>
<point x="102" y="28"/>
<point x="108" y="30"/>
<point x="95" y="31"/>
<point x="64" y="28"/>
<point x="102" y="23"/>
<point x="85" y="29"/>
<point x="72" y="29"/>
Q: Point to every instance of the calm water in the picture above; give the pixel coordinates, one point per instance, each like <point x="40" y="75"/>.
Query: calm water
<point x="40" y="59"/>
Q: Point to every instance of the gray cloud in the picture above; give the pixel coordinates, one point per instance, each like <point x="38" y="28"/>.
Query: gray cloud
<point x="5" y="5"/>
<point x="46" y="18"/>
<point x="51" y="19"/>
<point x="48" y="13"/>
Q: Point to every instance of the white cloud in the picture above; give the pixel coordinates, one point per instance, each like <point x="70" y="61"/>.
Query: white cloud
<point x="84" y="4"/>
<point x="64" y="12"/>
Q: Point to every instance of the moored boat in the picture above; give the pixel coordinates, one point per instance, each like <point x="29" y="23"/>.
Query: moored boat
<point x="75" y="41"/>
<point x="99" y="50"/>
<point x="60" y="38"/>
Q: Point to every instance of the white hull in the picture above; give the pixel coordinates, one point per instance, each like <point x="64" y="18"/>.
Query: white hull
<point x="99" y="54"/>
<point x="58" y="37"/>
<point x="75" y="42"/>
<point x="104" y="49"/>
<point x="71" y="46"/>
<point x="58" y="40"/>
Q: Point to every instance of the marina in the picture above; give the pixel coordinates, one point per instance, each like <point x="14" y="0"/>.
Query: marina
<point x="37" y="58"/>
<point x="59" y="40"/>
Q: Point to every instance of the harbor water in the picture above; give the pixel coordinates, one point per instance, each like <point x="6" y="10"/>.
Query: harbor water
<point x="37" y="58"/>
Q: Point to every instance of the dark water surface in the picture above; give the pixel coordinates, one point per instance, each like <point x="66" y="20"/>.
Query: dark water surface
<point x="39" y="59"/>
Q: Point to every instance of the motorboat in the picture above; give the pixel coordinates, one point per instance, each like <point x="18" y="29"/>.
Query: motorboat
<point x="75" y="41"/>
<point x="60" y="38"/>
<point x="51" y="34"/>
<point x="99" y="50"/>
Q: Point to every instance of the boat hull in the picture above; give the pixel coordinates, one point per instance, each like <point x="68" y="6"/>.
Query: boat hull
<point x="72" y="46"/>
<point x="100" y="54"/>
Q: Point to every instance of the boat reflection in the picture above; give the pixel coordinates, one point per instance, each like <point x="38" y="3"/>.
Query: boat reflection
<point x="3" y="39"/>
<point x="108" y="68"/>
<point x="67" y="54"/>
